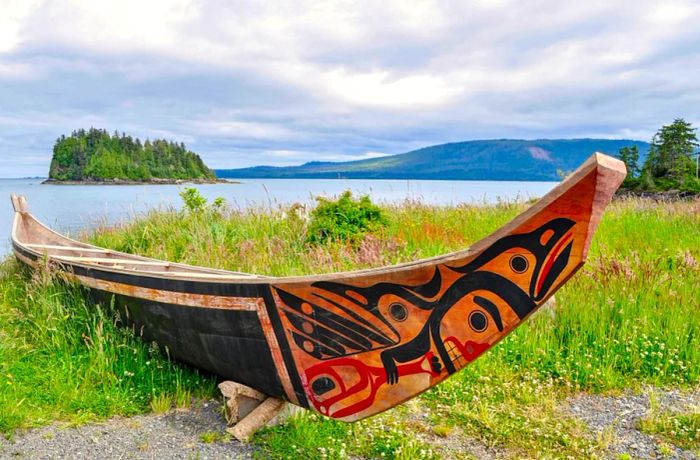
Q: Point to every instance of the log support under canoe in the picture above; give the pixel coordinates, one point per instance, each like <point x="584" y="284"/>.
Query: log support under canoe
<point x="248" y="410"/>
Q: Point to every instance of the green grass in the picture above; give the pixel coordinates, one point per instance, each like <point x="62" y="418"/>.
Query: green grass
<point x="682" y="429"/>
<point x="309" y="435"/>
<point x="680" y="426"/>
<point x="629" y="318"/>
<point x="211" y="437"/>
<point x="64" y="358"/>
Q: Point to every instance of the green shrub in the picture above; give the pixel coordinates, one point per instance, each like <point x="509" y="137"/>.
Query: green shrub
<point x="219" y="203"/>
<point x="193" y="200"/>
<point x="345" y="219"/>
<point x="195" y="203"/>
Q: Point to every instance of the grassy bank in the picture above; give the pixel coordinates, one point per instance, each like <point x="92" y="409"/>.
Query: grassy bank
<point x="64" y="358"/>
<point x="628" y="319"/>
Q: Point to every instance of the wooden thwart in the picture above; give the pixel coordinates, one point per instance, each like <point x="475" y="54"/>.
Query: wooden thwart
<point x="248" y="410"/>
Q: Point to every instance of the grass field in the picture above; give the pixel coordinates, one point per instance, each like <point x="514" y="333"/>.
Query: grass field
<point x="629" y="318"/>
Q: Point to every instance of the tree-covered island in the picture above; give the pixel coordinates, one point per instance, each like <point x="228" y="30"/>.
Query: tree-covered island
<point x="95" y="156"/>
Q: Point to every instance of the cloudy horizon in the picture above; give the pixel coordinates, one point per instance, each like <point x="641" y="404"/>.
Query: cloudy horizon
<point x="283" y="83"/>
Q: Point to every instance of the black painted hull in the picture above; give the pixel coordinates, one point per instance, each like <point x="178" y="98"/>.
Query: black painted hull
<point x="228" y="343"/>
<point x="225" y="342"/>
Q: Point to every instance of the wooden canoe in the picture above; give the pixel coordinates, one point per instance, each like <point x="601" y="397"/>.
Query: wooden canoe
<point x="348" y="345"/>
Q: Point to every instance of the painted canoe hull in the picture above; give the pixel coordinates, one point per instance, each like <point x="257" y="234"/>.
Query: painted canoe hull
<point x="348" y="345"/>
<point x="229" y="342"/>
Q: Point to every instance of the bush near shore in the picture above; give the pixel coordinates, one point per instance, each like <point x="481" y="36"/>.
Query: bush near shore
<point x="629" y="318"/>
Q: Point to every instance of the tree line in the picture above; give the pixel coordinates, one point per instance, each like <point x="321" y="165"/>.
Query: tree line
<point x="96" y="155"/>
<point x="672" y="162"/>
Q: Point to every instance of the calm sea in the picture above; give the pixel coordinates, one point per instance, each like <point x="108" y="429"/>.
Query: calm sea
<point x="71" y="208"/>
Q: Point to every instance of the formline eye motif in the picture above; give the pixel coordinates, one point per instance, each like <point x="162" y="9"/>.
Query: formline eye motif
<point x="398" y="312"/>
<point x="478" y="321"/>
<point x="519" y="264"/>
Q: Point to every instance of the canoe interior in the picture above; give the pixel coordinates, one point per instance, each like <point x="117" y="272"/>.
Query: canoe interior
<point x="35" y="237"/>
<point x="348" y="345"/>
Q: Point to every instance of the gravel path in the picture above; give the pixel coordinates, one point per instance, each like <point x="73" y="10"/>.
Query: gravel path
<point x="618" y="415"/>
<point x="175" y="435"/>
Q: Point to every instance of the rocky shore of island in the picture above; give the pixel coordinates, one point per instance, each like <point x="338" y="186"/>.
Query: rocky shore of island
<point x="658" y="195"/>
<point x="152" y="181"/>
<point x="94" y="157"/>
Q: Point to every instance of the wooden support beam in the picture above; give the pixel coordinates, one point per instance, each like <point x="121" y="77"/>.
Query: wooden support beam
<point x="248" y="410"/>
<point x="257" y="419"/>
<point x="240" y="400"/>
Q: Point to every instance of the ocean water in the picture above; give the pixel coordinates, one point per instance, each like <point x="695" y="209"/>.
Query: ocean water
<point x="72" y="208"/>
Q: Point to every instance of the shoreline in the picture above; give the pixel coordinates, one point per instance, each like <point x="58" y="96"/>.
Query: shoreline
<point x="666" y="195"/>
<point x="134" y="182"/>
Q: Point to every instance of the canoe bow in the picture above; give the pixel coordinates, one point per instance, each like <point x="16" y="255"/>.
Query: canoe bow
<point x="347" y="345"/>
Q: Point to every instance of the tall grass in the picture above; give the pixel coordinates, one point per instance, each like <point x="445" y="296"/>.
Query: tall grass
<point x="273" y="241"/>
<point x="62" y="357"/>
<point x="630" y="317"/>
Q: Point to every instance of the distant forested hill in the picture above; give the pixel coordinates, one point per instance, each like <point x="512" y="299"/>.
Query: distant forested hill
<point x="503" y="159"/>
<point x="95" y="155"/>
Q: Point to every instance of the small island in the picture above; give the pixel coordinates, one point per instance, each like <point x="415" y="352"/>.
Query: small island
<point x="96" y="157"/>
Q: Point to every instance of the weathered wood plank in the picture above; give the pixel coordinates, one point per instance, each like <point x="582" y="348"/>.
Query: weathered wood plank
<point x="107" y="260"/>
<point x="67" y="248"/>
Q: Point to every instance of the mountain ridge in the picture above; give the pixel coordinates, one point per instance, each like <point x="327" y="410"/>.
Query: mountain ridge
<point x="491" y="159"/>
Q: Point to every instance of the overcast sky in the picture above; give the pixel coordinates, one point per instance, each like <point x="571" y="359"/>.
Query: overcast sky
<point x="248" y="83"/>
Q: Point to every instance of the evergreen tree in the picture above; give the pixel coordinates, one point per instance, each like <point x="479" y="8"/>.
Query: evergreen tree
<point x="630" y="156"/>
<point x="670" y="161"/>
<point x="95" y="155"/>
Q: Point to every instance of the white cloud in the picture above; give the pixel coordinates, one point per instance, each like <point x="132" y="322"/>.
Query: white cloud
<point x="375" y="154"/>
<point x="295" y="157"/>
<point x="379" y="89"/>
<point x="112" y="27"/>
<point x="314" y="79"/>
<point x="242" y="129"/>
<point x="672" y="13"/>
<point x="14" y="14"/>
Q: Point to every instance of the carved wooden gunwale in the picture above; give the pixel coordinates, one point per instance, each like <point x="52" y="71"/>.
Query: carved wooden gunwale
<point x="352" y="344"/>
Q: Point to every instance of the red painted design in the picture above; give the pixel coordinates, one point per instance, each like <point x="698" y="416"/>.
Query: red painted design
<point x="371" y="378"/>
<point x="468" y="351"/>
